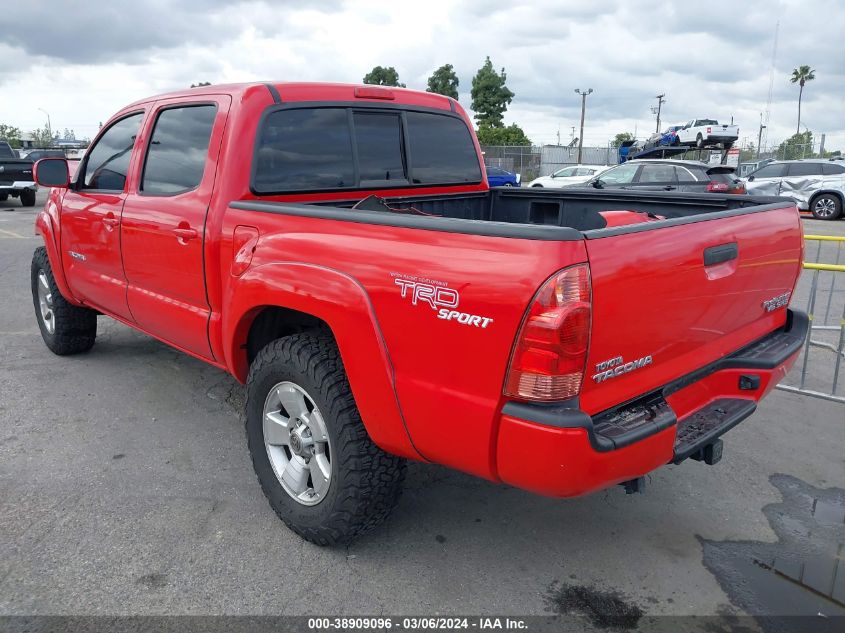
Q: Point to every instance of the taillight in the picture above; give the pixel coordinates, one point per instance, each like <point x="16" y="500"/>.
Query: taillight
<point x="550" y="354"/>
<point x="714" y="186"/>
<point x="738" y="187"/>
<point x="708" y="130"/>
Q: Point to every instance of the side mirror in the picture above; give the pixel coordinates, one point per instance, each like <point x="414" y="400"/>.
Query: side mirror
<point x="751" y="178"/>
<point x="52" y="172"/>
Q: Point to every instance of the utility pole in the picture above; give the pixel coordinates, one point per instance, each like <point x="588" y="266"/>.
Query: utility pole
<point x="49" y="127"/>
<point x="760" y="135"/>
<point x="660" y="102"/>
<point x="583" y="108"/>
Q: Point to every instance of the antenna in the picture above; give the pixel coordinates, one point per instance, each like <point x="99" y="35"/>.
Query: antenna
<point x="765" y="126"/>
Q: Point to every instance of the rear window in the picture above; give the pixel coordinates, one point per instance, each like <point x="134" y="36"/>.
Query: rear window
<point x="304" y="149"/>
<point x="316" y="148"/>
<point x="442" y="151"/>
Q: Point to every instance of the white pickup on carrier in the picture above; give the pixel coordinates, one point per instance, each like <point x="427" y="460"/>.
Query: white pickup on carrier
<point x="707" y="132"/>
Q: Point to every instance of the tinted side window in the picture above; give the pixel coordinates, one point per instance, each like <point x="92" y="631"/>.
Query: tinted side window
<point x="684" y="175"/>
<point x="832" y="169"/>
<point x="442" y="151"/>
<point x="304" y="149"/>
<point x="378" y="138"/>
<point x="178" y="149"/>
<point x="657" y="173"/>
<point x="805" y="169"/>
<point x="621" y="175"/>
<point x="108" y="160"/>
<point x="769" y="171"/>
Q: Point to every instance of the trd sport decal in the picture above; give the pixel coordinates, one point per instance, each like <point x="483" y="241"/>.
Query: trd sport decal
<point x="439" y="297"/>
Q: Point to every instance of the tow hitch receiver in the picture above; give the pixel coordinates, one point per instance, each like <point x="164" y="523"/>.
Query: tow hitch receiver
<point x="710" y="454"/>
<point x="634" y="486"/>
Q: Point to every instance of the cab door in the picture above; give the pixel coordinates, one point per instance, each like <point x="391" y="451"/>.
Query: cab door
<point x="90" y="216"/>
<point x="766" y="181"/>
<point x="164" y="220"/>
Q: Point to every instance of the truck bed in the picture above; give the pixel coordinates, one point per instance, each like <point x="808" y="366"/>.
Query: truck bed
<point x="585" y="210"/>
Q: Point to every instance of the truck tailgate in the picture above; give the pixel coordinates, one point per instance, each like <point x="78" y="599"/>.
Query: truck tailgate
<point x="673" y="298"/>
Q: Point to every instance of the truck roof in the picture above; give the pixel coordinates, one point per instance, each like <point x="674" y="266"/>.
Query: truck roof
<point x="319" y="91"/>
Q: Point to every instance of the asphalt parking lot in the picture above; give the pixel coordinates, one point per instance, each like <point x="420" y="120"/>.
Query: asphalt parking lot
<point x="126" y="488"/>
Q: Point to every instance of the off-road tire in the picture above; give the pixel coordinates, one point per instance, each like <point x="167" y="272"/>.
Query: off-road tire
<point x="366" y="482"/>
<point x="837" y="206"/>
<point x="27" y="198"/>
<point x="75" y="328"/>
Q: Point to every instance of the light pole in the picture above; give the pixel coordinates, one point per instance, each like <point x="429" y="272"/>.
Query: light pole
<point x="660" y="102"/>
<point x="49" y="126"/>
<point x="760" y="135"/>
<point x="583" y="107"/>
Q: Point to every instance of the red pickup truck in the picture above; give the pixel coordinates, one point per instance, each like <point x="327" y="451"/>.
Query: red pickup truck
<point x="337" y="248"/>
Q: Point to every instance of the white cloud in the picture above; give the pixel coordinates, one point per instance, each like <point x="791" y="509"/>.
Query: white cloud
<point x="710" y="58"/>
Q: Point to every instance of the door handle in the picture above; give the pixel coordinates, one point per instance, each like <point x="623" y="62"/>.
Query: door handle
<point x="185" y="234"/>
<point x="669" y="188"/>
<point x="720" y="254"/>
<point x="110" y="220"/>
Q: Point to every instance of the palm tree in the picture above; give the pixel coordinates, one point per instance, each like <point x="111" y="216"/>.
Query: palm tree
<point x="800" y="76"/>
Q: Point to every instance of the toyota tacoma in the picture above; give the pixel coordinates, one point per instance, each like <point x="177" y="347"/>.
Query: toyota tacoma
<point x="338" y="249"/>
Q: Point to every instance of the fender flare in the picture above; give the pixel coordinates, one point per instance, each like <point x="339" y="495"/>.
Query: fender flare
<point x="45" y="226"/>
<point x="344" y="305"/>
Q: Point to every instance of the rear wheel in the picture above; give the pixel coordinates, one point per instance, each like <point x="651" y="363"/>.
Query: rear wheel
<point x="318" y="468"/>
<point x="826" y="207"/>
<point x="66" y="328"/>
<point x="728" y="145"/>
<point x="4" y="197"/>
<point x="27" y="198"/>
<point x="699" y="141"/>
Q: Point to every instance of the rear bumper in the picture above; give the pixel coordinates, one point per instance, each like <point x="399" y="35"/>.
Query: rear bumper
<point x="18" y="186"/>
<point x="561" y="451"/>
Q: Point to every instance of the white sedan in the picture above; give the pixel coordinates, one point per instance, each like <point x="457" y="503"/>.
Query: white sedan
<point x="572" y="175"/>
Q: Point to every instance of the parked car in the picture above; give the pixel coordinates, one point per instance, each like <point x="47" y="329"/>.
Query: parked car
<point x="37" y="154"/>
<point x="498" y="177"/>
<point x="16" y="179"/>
<point x="666" y="138"/>
<point x="816" y="185"/>
<point x="382" y="303"/>
<point x="669" y="175"/>
<point x="706" y="133"/>
<point x="571" y="175"/>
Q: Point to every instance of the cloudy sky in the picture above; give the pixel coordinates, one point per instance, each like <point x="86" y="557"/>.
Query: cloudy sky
<point x="80" y="61"/>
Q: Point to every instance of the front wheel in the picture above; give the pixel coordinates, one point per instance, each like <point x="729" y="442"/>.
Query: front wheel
<point x="699" y="142"/>
<point x="826" y="207"/>
<point x="318" y="467"/>
<point x="27" y="198"/>
<point x="66" y="328"/>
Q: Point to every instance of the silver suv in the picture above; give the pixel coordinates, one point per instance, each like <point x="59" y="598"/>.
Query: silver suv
<point x="815" y="185"/>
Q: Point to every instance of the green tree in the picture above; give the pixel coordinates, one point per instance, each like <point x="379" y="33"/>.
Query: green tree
<point x="747" y="154"/>
<point x="796" y="146"/>
<point x="510" y="135"/>
<point x="201" y="84"/>
<point x="801" y="76"/>
<point x="444" y="81"/>
<point x="42" y="137"/>
<point x="11" y="135"/>
<point x="621" y="138"/>
<point x="383" y="76"/>
<point x="490" y="95"/>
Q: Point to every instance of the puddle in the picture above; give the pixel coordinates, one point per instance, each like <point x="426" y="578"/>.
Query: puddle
<point x="604" y="609"/>
<point x="802" y="574"/>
